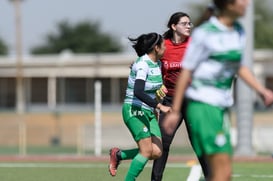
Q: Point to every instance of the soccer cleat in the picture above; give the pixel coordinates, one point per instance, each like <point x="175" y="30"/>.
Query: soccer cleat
<point x="114" y="161"/>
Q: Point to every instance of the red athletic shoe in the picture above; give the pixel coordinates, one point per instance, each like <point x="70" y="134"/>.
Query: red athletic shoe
<point x="114" y="161"/>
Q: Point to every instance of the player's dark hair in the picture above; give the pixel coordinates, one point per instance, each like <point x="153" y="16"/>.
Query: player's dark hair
<point x="207" y="13"/>
<point x="174" y="19"/>
<point x="213" y="8"/>
<point x="222" y="4"/>
<point x="145" y="43"/>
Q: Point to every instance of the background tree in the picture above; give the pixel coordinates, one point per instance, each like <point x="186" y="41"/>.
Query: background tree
<point x="83" y="37"/>
<point x="263" y="32"/>
<point x="3" y="47"/>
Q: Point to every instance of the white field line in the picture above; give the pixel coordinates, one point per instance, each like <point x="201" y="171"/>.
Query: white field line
<point x="75" y="165"/>
<point x="195" y="173"/>
<point x="173" y="165"/>
<point x="253" y="175"/>
<point x="101" y="165"/>
<point x="51" y="165"/>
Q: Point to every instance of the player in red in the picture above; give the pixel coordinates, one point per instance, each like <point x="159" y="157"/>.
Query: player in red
<point x="176" y="39"/>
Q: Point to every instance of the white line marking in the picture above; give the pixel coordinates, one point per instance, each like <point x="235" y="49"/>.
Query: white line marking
<point x="254" y="176"/>
<point x="52" y="165"/>
<point x="75" y="165"/>
<point x="262" y="176"/>
<point x="195" y="173"/>
<point x="194" y="168"/>
<point x="173" y="165"/>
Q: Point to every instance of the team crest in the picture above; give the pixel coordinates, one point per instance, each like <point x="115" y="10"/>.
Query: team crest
<point x="220" y="139"/>
<point x="145" y="129"/>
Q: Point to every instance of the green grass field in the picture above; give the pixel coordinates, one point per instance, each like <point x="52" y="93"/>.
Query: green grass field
<point x="76" y="171"/>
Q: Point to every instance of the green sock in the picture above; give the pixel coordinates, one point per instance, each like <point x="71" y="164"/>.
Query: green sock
<point x="136" y="167"/>
<point x="129" y="154"/>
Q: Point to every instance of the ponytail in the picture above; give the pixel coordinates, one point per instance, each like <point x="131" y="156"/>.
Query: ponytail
<point x="209" y="11"/>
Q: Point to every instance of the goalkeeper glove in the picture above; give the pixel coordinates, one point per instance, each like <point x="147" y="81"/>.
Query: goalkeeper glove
<point x="161" y="93"/>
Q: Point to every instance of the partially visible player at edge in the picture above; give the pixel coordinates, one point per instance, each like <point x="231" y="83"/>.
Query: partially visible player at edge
<point x="176" y="40"/>
<point x="213" y="58"/>
<point x="139" y="106"/>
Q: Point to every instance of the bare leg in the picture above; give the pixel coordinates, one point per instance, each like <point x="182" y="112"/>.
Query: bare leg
<point x="221" y="167"/>
<point x="150" y="147"/>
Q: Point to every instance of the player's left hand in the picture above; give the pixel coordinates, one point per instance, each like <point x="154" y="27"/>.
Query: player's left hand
<point x="267" y="96"/>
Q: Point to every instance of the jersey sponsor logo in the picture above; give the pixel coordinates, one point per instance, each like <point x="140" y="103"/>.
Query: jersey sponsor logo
<point x="172" y="65"/>
<point x="175" y="65"/>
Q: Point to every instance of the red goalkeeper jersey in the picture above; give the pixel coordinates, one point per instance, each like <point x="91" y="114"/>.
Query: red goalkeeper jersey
<point x="171" y="63"/>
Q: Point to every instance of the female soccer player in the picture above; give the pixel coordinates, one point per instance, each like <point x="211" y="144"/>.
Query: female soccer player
<point x="140" y="102"/>
<point x="212" y="60"/>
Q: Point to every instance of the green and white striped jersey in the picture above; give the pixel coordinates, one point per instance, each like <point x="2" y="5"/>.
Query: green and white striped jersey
<point x="149" y="71"/>
<point x="214" y="55"/>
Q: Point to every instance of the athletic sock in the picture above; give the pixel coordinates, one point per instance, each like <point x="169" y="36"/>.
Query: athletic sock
<point x="136" y="167"/>
<point x="128" y="154"/>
